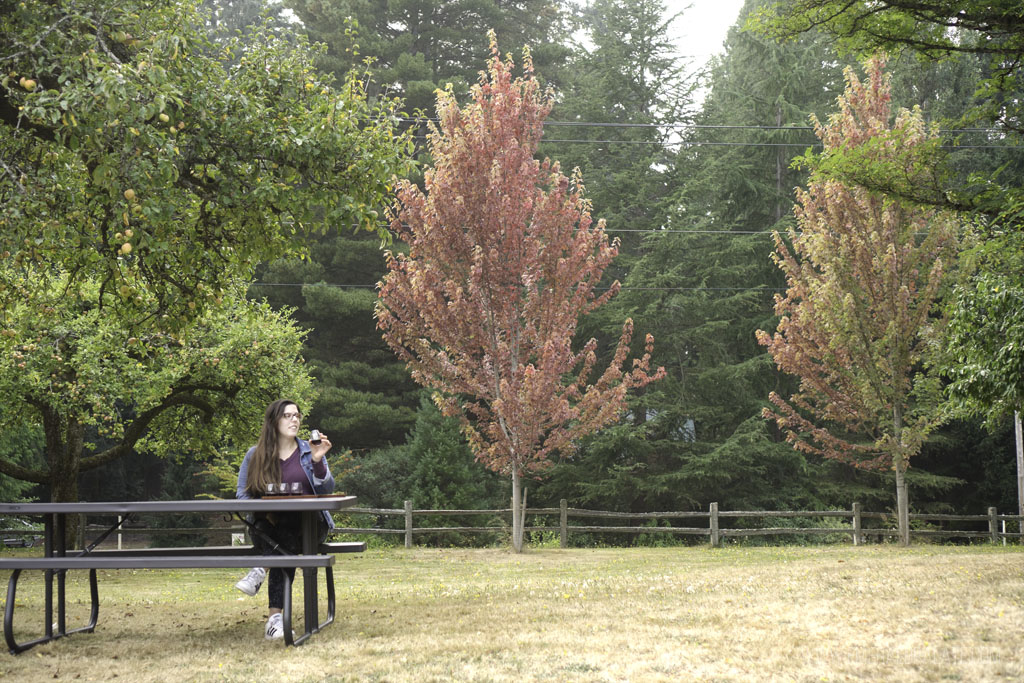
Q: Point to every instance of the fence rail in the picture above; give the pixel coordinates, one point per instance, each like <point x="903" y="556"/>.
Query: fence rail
<point x="995" y="531"/>
<point x="996" y="524"/>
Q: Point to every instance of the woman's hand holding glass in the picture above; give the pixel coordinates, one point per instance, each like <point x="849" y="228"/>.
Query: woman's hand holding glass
<point x="319" y="450"/>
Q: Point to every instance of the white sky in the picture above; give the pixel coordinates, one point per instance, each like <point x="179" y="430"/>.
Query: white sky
<point x="702" y="28"/>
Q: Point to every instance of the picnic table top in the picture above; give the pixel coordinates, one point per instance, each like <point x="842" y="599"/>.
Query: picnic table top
<point x="269" y="504"/>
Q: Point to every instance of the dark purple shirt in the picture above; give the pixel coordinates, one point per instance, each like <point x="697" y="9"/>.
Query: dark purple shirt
<point x="291" y="471"/>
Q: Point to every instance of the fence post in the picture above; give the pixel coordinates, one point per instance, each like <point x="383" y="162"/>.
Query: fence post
<point x="857" y="537"/>
<point x="80" y="536"/>
<point x="714" y="526"/>
<point x="563" y="524"/>
<point x="408" y="524"/>
<point x="993" y="528"/>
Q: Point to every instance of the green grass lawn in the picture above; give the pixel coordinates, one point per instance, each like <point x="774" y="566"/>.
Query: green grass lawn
<point x="831" y="613"/>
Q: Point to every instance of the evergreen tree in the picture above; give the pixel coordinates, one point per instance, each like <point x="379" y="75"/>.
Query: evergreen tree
<point x="22" y="446"/>
<point x="366" y="398"/>
<point x="228" y="17"/>
<point x="628" y="88"/>
<point x="435" y="470"/>
<point x="703" y="285"/>
<point x="417" y="46"/>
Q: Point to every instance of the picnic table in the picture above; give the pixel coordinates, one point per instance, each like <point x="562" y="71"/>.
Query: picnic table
<point x="57" y="558"/>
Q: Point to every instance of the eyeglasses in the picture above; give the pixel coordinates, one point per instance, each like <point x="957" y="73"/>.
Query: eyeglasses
<point x="292" y="416"/>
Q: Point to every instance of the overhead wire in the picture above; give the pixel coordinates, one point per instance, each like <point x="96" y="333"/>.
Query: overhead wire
<point x="622" y="288"/>
<point x="710" y="143"/>
<point x="731" y="233"/>
<point x="702" y="126"/>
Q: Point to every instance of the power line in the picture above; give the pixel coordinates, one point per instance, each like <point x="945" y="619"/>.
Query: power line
<point x="688" y="143"/>
<point x="704" y="126"/>
<point x="693" y="232"/>
<point x="707" y="143"/>
<point x="621" y="288"/>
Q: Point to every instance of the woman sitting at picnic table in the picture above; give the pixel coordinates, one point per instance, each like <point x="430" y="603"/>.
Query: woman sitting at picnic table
<point x="280" y="456"/>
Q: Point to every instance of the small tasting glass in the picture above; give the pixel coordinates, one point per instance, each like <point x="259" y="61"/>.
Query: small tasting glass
<point x="296" y="488"/>
<point x="271" y="489"/>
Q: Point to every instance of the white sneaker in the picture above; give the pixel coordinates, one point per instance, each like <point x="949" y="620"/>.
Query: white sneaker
<point x="275" y="627"/>
<point x="251" y="582"/>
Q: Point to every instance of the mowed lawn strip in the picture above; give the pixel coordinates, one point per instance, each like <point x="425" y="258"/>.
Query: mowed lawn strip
<point x="834" y="613"/>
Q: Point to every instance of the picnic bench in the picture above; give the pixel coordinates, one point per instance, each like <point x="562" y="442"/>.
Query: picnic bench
<point x="57" y="559"/>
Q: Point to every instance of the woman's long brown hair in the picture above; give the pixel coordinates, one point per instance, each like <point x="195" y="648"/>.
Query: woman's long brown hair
<point x="264" y="465"/>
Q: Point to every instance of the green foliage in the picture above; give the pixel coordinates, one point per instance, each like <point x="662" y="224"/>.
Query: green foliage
<point x="96" y="391"/>
<point x="146" y="167"/>
<point x="985" y="340"/>
<point x="435" y="469"/>
<point x="366" y="398"/>
<point x="184" y="482"/>
<point x="21" y="446"/>
<point x="139" y="155"/>
<point x="932" y="29"/>
<point x="968" y="36"/>
<point x="415" y="47"/>
<point x="378" y="480"/>
<point x="979" y="463"/>
<point x="226" y="18"/>
<point x="703" y="286"/>
<point x="624" y="71"/>
<point x="761" y="95"/>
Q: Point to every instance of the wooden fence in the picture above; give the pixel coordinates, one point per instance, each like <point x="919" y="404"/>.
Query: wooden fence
<point x="712" y="528"/>
<point x="993" y="525"/>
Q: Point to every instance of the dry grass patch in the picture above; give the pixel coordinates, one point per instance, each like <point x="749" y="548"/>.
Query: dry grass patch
<point x="835" y="613"/>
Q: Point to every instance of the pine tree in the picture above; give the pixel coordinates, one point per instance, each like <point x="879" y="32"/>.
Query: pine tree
<point x="366" y="397"/>
<point x="627" y="89"/>
<point x="704" y="283"/>
<point x="418" y="46"/>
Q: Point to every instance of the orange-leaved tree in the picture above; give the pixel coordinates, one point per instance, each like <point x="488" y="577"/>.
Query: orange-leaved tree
<point x="864" y="273"/>
<point x="503" y="260"/>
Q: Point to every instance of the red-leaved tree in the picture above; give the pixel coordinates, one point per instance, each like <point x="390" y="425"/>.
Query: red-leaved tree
<point x="864" y="273"/>
<point x="503" y="260"/>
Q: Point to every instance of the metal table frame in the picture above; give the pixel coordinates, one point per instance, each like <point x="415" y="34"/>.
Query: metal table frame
<point x="55" y="546"/>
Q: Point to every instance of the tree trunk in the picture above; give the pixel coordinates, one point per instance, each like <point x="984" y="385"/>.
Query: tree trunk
<point x="1020" y="469"/>
<point x="902" y="503"/>
<point x="517" y="511"/>
<point x="899" y="463"/>
<point x="779" y="167"/>
<point x="64" y="445"/>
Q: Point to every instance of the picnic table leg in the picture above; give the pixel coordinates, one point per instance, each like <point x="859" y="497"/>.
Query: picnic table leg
<point x="94" y="608"/>
<point x="310" y="544"/>
<point x="286" y="612"/>
<point x="12" y="591"/>
<point x="329" y="576"/>
<point x="12" y="645"/>
<point x="12" y="594"/>
<point x="48" y="544"/>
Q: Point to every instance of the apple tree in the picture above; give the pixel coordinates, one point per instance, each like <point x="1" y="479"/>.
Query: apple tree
<point x="99" y="391"/>
<point x="138" y="154"/>
<point x="145" y="170"/>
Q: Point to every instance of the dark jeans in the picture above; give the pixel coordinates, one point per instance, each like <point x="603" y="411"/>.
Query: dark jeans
<point x="286" y="532"/>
